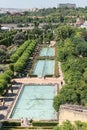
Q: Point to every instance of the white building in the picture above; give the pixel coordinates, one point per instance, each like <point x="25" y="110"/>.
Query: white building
<point x="84" y="25"/>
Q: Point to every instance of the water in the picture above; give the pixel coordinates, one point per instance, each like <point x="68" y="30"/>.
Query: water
<point x="47" y="51"/>
<point x="35" y="101"/>
<point x="44" y="67"/>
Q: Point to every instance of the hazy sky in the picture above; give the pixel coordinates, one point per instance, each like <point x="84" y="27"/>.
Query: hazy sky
<point x="39" y="3"/>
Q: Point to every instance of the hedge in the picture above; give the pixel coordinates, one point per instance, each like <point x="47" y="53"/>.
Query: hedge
<point x="21" y="63"/>
<point x="19" y="51"/>
<point x="40" y="123"/>
<point x="11" y="123"/>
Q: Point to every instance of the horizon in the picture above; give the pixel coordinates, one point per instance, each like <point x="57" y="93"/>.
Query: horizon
<point x="28" y="4"/>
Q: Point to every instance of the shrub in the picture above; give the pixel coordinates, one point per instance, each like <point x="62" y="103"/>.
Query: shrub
<point x="10" y="73"/>
<point x="48" y="75"/>
<point x="38" y="123"/>
<point x="8" y="123"/>
<point x="33" y="75"/>
<point x="3" y="86"/>
<point x="5" y="77"/>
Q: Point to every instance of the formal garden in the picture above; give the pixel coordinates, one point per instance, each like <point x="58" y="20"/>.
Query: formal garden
<point x="19" y="52"/>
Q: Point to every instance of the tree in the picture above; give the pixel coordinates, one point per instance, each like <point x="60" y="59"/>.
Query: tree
<point x="3" y="55"/>
<point x="19" y="38"/>
<point x="57" y="101"/>
<point x="67" y="126"/>
<point x="64" y="32"/>
<point x="84" y="35"/>
<point x="56" y="128"/>
<point x="85" y="74"/>
<point x="3" y="86"/>
<point x="36" y="24"/>
<point x="81" y="49"/>
<point x="61" y="18"/>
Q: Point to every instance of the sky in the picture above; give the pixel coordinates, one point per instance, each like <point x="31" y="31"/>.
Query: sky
<point x="38" y="3"/>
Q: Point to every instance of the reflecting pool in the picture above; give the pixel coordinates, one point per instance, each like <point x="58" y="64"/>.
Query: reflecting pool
<point x="44" y="67"/>
<point x="50" y="51"/>
<point x="35" y="101"/>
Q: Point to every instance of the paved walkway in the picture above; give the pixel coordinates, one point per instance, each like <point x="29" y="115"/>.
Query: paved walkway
<point x="10" y="97"/>
<point x="28" y="80"/>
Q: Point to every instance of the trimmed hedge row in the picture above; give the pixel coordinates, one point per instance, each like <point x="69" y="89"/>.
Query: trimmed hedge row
<point x="10" y="123"/>
<point x="19" y="51"/>
<point x="23" y="60"/>
<point x="38" y="123"/>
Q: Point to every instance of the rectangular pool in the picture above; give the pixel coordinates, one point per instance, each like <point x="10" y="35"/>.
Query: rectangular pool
<point x="44" y="67"/>
<point x="36" y="102"/>
<point x="47" y="51"/>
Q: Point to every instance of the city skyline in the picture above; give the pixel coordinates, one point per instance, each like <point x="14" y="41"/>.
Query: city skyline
<point x="38" y="3"/>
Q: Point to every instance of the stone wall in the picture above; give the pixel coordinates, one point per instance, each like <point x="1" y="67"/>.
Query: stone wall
<point x="72" y="113"/>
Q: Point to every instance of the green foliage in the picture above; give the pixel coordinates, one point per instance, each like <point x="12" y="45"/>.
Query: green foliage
<point x="5" y="77"/>
<point x="19" y="25"/>
<point x="81" y="49"/>
<point x="56" y="128"/>
<point x="3" y="85"/>
<point x="10" y="123"/>
<point x="57" y="101"/>
<point x="85" y="74"/>
<point x="84" y="35"/>
<point x="68" y="126"/>
<point x="10" y="73"/>
<point x="42" y="123"/>
<point x="48" y="75"/>
<point x="19" y="51"/>
<point x="65" y="126"/>
<point x="19" y="38"/>
<point x="81" y="125"/>
<point x="72" y="53"/>
<point x="2" y="55"/>
<point x="6" y="37"/>
<point x="11" y="67"/>
<point x="22" y="61"/>
<point x="64" y="32"/>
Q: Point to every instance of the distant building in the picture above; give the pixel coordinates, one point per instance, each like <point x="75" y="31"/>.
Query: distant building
<point x="67" y="5"/>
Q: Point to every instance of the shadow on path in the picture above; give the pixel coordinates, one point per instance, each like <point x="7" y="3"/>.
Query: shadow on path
<point x="3" y="107"/>
<point x="8" y="99"/>
<point x="10" y="95"/>
<point x="1" y="117"/>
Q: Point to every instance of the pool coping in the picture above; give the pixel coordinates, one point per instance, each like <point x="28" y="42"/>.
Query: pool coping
<point x="13" y="103"/>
